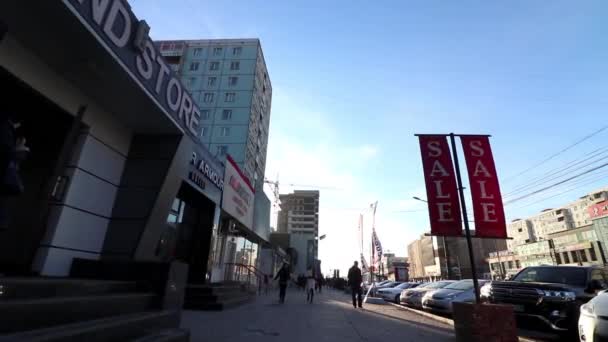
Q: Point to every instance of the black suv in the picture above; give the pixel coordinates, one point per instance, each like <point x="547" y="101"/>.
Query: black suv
<point x="550" y="294"/>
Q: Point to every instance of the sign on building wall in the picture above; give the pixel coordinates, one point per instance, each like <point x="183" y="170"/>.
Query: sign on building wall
<point x="113" y="24"/>
<point x="238" y="196"/>
<point x="488" y="209"/>
<point x="442" y="194"/>
<point x="206" y="174"/>
<point x="598" y="210"/>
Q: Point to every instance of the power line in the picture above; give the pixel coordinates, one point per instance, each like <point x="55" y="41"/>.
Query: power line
<point x="556" y="184"/>
<point x="556" y="174"/>
<point x="585" y="138"/>
<point x="563" y="192"/>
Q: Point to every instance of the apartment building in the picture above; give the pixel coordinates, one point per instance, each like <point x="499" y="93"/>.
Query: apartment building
<point x="299" y="217"/>
<point x="228" y="79"/>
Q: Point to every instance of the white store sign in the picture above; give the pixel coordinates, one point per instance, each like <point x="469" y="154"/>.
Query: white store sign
<point x="238" y="195"/>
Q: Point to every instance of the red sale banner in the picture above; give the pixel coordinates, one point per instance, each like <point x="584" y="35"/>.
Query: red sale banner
<point x="441" y="191"/>
<point x="485" y="191"/>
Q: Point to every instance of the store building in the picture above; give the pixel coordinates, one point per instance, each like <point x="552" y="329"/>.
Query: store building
<point x="503" y="264"/>
<point x="116" y="169"/>
<point x="578" y="246"/>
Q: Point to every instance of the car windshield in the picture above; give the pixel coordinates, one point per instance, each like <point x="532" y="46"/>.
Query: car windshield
<point x="404" y="286"/>
<point x="557" y="275"/>
<point x="462" y="285"/>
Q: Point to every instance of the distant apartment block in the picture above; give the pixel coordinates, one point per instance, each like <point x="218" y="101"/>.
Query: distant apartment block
<point x="229" y="81"/>
<point x="299" y="216"/>
<point x="549" y="221"/>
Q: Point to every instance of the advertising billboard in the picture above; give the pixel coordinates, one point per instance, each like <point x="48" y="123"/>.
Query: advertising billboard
<point x="238" y="196"/>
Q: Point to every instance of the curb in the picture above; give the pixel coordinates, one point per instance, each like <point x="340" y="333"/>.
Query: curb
<point x="443" y="319"/>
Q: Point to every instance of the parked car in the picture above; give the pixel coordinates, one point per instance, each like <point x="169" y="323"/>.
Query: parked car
<point x="413" y="296"/>
<point x="551" y="295"/>
<point x="441" y="300"/>
<point x="392" y="294"/>
<point x="592" y="324"/>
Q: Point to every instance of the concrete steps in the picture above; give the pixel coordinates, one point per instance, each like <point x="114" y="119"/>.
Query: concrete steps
<point x="27" y="314"/>
<point x="13" y="288"/>
<point x="73" y="309"/>
<point x="140" y="327"/>
<point x="216" y="297"/>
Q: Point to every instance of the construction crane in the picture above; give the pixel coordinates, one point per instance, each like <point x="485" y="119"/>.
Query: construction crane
<point x="274" y="185"/>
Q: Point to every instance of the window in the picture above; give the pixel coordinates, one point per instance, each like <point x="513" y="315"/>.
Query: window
<point x="227" y="114"/>
<point x="204" y="131"/>
<point x="230" y="97"/>
<point x="197" y="52"/>
<point x="583" y="256"/>
<point x="208" y="98"/>
<point x="510" y="265"/>
<point x="225" y="131"/>
<point x="211" y="81"/>
<point x="236" y="65"/>
<point x="214" y="66"/>
<point x="543" y="274"/>
<point x="237" y="51"/>
<point x="520" y="230"/>
<point x="599" y="277"/>
<point x="222" y="150"/>
<point x="217" y="51"/>
<point x="191" y="81"/>
<point x="205" y="114"/>
<point x="194" y="66"/>
<point x="232" y="81"/>
<point x="592" y="253"/>
<point x="566" y="258"/>
<point x="517" y="264"/>
<point x="558" y="259"/>
<point x="574" y="257"/>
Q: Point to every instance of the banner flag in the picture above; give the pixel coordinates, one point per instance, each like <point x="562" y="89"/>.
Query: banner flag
<point x="377" y="247"/>
<point x="364" y="265"/>
<point x="487" y="202"/>
<point x="441" y="189"/>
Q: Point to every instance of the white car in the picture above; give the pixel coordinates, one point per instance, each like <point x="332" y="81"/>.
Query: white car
<point x="392" y="294"/>
<point x="592" y="323"/>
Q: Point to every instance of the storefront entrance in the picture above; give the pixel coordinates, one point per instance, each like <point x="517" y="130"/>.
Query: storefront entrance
<point x="45" y="126"/>
<point x="191" y="217"/>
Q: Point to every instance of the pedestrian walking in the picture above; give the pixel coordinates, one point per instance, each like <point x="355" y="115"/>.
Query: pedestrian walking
<point x="283" y="277"/>
<point x="354" y="281"/>
<point x="310" y="286"/>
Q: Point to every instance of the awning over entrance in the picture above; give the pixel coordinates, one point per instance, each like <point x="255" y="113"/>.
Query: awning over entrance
<point x="69" y="36"/>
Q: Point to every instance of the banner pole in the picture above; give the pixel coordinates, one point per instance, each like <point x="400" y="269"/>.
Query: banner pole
<point x="465" y="218"/>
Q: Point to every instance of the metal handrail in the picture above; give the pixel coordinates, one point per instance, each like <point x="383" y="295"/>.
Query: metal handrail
<point x="237" y="273"/>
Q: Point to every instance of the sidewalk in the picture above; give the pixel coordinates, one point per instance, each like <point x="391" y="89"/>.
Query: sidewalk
<point x="330" y="318"/>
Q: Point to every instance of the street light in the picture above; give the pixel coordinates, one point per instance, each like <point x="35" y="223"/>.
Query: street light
<point x="419" y="199"/>
<point x="322" y="236"/>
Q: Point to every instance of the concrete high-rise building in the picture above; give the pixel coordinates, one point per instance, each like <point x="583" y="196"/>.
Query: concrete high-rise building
<point x="299" y="216"/>
<point x="229" y="81"/>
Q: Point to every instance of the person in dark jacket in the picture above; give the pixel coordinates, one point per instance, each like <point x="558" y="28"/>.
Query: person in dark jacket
<point x="283" y="276"/>
<point x="354" y="281"/>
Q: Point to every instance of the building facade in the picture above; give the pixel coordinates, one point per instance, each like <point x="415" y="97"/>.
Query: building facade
<point x="118" y="170"/>
<point x="299" y="217"/>
<point x="229" y="81"/>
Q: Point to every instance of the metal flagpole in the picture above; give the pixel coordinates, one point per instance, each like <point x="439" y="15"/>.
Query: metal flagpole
<point x="465" y="218"/>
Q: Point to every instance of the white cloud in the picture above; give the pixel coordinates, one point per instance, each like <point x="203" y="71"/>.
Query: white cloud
<point x="368" y="151"/>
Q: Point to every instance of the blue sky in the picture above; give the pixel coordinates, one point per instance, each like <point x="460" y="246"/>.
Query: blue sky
<point x="354" y="80"/>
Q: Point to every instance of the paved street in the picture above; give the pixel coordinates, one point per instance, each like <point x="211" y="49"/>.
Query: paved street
<point x="330" y="318"/>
